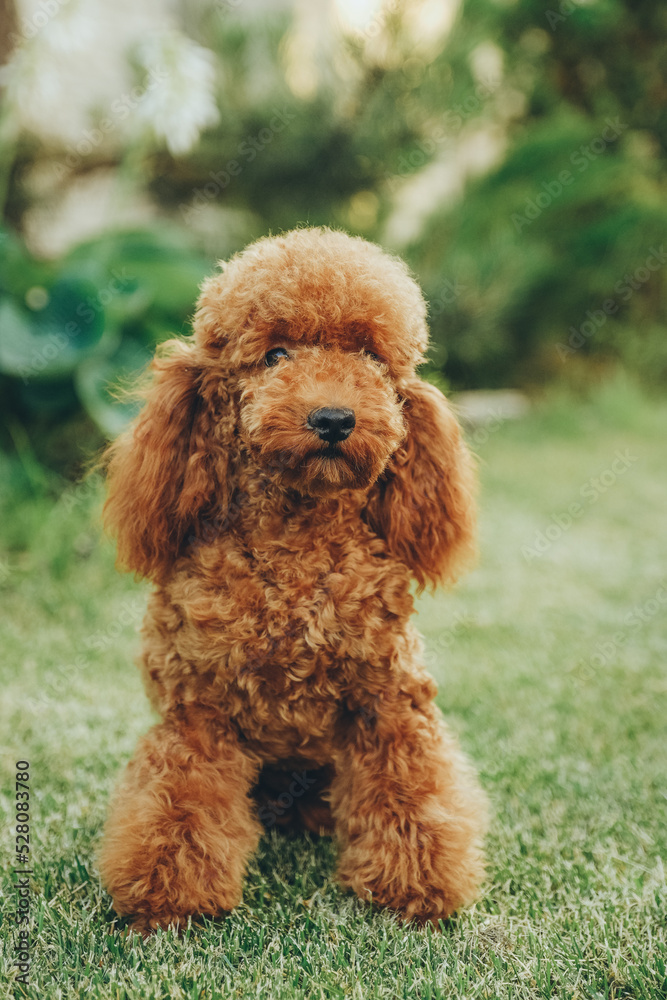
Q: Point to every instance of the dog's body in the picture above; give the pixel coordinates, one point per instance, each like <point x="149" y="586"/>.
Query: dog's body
<point x="282" y="487"/>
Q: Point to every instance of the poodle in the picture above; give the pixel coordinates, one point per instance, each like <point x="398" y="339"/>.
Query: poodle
<point x="286" y="479"/>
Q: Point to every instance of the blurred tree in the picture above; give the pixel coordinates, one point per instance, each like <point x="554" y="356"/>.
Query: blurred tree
<point x="557" y="250"/>
<point x="515" y="153"/>
<point x="277" y="148"/>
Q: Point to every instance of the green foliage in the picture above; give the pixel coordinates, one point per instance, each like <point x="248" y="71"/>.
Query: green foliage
<point x="275" y="160"/>
<point x="70" y="332"/>
<point x="550" y="264"/>
<point x="558" y="251"/>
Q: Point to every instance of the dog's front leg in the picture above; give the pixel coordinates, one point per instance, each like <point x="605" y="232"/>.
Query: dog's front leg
<point x="181" y="826"/>
<point x="409" y="812"/>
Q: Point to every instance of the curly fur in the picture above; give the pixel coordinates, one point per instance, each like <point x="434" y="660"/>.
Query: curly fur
<point x="278" y="647"/>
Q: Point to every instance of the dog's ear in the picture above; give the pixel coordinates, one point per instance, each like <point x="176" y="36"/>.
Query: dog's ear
<point x="169" y="469"/>
<point x="424" y="503"/>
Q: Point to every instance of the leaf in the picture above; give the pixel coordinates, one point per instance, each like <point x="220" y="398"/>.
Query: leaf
<point x="158" y="263"/>
<point x="99" y="379"/>
<point x="51" y="342"/>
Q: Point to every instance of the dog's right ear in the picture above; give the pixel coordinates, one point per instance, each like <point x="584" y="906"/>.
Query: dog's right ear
<point x="169" y="468"/>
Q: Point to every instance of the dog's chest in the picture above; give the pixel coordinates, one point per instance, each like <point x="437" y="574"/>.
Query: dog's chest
<point x="330" y="618"/>
<point x="280" y="637"/>
<point x="290" y="606"/>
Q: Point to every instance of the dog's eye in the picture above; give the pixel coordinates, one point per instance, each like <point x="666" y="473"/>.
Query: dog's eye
<point x="374" y="357"/>
<point x="274" y="355"/>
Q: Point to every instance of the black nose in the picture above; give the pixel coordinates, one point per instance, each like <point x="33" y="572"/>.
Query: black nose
<point x="332" y="424"/>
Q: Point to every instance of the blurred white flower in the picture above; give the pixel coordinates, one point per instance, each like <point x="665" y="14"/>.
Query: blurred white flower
<point x="70" y="63"/>
<point x="36" y="86"/>
<point x="182" y="103"/>
<point x="65" y="26"/>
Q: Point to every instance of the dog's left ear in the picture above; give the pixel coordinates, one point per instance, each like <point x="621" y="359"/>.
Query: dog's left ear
<point x="423" y="505"/>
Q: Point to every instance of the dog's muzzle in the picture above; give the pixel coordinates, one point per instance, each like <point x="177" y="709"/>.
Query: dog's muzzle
<point x="332" y="424"/>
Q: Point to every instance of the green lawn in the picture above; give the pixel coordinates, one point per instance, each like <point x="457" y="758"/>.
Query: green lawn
<point x="551" y="667"/>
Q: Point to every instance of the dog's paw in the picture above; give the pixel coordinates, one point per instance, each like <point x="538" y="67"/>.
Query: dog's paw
<point x="423" y="873"/>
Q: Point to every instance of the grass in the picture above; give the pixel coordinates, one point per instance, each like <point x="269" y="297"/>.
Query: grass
<point x="551" y="669"/>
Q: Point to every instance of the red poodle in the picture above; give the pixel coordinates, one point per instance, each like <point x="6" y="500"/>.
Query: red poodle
<point x="287" y="477"/>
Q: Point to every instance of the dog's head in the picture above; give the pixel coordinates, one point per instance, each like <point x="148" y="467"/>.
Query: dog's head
<point x="316" y="329"/>
<point x="303" y="362"/>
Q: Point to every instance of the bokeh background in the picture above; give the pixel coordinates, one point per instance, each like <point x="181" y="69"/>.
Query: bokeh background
<point x="514" y="152"/>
